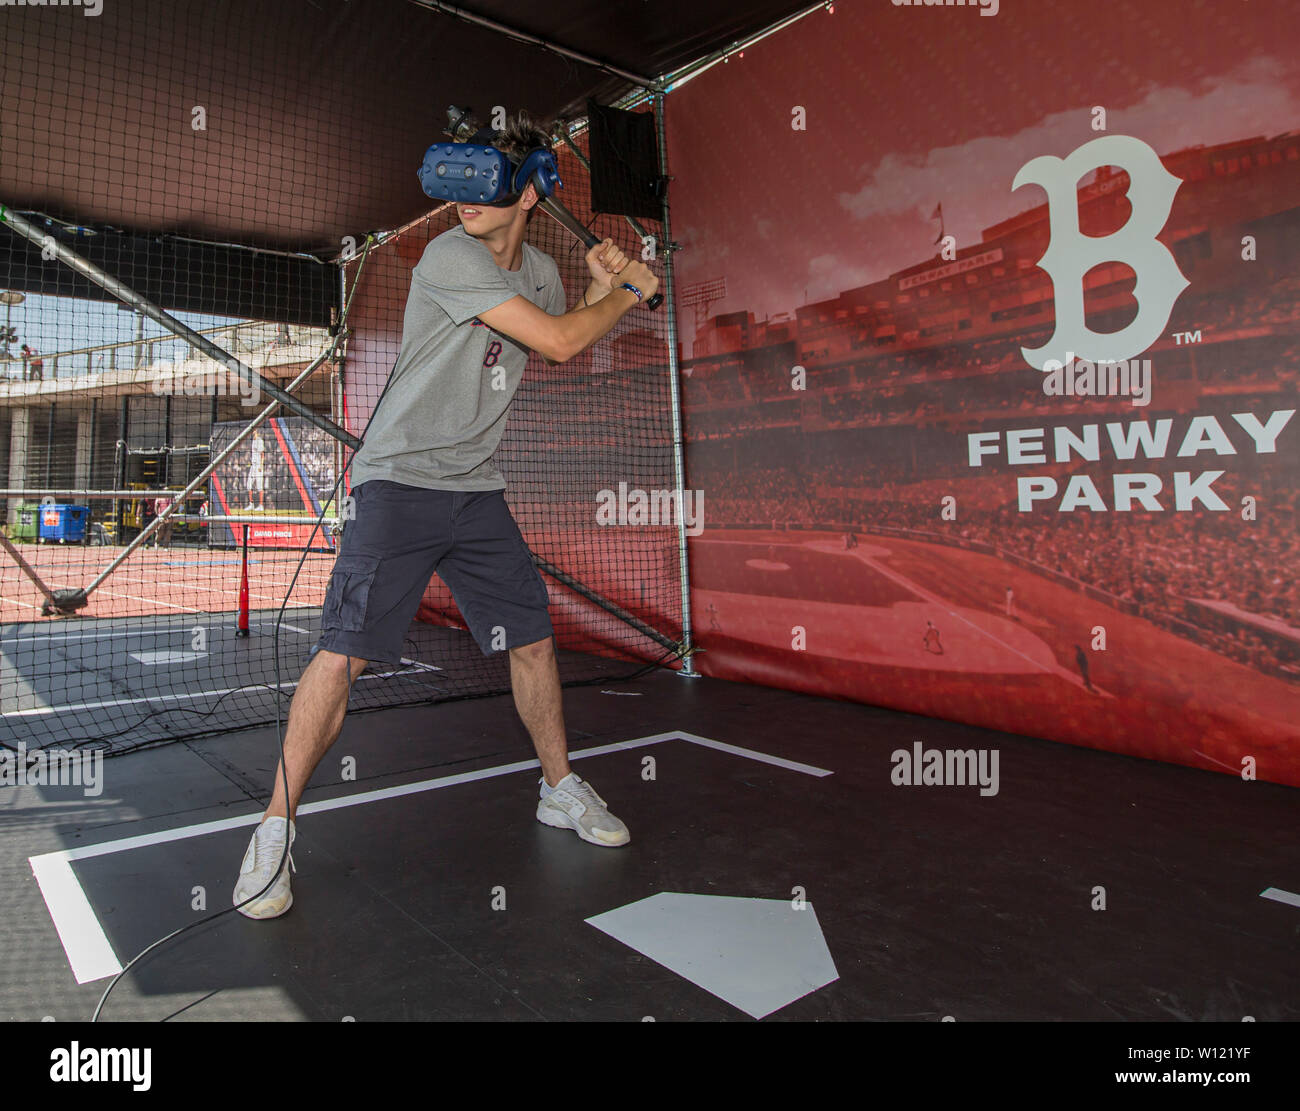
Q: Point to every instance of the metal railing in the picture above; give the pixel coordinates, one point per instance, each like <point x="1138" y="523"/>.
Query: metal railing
<point x="136" y="354"/>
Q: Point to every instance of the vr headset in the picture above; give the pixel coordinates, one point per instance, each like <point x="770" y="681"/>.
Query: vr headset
<point x="476" y="172"/>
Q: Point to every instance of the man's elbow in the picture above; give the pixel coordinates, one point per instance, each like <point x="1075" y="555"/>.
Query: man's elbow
<point x="560" y="347"/>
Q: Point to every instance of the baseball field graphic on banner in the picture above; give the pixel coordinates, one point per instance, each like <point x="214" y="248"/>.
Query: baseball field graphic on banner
<point x="994" y="407"/>
<point x="284" y="469"/>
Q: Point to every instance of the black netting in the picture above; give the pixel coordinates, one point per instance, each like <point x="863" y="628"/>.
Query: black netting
<point x="108" y="416"/>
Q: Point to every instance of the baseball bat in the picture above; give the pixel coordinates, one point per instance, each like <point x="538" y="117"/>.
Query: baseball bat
<point x="241" y="627"/>
<point x="571" y="224"/>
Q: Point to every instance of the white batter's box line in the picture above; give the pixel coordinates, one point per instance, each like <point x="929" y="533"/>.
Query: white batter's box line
<point x="91" y="956"/>
<point x="183" y="629"/>
<point x="722" y="746"/>
<point x="46" y="711"/>
<point x="1280" y="896"/>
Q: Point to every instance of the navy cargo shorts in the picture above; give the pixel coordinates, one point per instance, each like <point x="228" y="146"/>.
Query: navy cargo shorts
<point x="400" y="537"/>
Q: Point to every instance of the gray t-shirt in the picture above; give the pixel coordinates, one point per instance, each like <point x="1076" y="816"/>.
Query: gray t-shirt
<point x="450" y="390"/>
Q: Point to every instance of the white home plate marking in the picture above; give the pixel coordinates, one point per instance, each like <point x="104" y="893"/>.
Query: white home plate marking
<point x="757" y="954"/>
<point x="166" y="656"/>
<point x="1280" y="896"/>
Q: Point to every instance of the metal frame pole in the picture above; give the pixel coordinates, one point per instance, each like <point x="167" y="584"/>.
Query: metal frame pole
<point x="674" y="389"/>
<point x="337" y="406"/>
<point x="27" y="569"/>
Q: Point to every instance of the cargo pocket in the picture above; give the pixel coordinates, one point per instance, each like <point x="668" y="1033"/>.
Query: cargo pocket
<point x="542" y="594"/>
<point x="348" y="595"/>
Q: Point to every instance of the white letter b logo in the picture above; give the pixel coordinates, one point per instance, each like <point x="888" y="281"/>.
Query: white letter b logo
<point x="1071" y="254"/>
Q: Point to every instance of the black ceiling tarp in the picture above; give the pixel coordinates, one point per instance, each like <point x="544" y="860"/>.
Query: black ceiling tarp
<point x="640" y="36"/>
<point x="181" y="276"/>
<point x="315" y="113"/>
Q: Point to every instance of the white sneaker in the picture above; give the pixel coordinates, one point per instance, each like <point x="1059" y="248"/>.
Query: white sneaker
<point x="264" y="854"/>
<point x="575" y="805"/>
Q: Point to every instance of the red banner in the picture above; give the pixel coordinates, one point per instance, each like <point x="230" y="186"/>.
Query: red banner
<point x="989" y="341"/>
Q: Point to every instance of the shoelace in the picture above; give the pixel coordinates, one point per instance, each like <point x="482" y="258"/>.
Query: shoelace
<point x="268" y="851"/>
<point x="583" y="791"/>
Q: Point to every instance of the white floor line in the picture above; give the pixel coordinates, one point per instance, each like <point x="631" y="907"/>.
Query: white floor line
<point x="112" y="634"/>
<point x="1280" y="896"/>
<point x="90" y="956"/>
<point x="39" y="711"/>
<point x="89" y="952"/>
<point x="18" y="602"/>
<point x="150" y="601"/>
<point x="411" y="665"/>
<point x="807" y="769"/>
<point x="122" y="633"/>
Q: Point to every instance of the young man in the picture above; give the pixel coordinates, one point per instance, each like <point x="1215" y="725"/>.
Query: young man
<point x="428" y="498"/>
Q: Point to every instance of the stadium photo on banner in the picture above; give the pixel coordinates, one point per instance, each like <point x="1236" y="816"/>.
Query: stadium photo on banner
<point x="780" y="513"/>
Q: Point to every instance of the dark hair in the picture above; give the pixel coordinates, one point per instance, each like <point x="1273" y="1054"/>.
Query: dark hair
<point x="520" y="135"/>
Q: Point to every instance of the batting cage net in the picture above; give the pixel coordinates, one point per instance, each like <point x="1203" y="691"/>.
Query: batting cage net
<point x="173" y="487"/>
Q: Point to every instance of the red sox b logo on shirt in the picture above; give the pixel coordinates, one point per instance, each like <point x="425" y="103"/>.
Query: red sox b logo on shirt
<point x="1071" y="254"/>
<point x="494" y="348"/>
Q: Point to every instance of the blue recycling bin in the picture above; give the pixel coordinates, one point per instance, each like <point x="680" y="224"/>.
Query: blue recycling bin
<point x="64" y="523"/>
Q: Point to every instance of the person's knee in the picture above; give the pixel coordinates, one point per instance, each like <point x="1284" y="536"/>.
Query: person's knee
<point x="347" y="668"/>
<point x="537" y="651"/>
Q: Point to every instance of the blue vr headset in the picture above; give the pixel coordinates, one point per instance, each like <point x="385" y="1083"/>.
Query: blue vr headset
<point x="470" y="172"/>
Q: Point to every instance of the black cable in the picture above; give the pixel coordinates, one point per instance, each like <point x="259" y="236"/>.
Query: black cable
<point x="279" y="733"/>
<point x="279" y="728"/>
